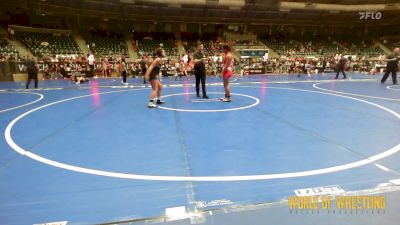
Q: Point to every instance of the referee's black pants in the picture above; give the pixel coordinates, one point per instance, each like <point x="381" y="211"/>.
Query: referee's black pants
<point x="388" y="71"/>
<point x="124" y="76"/>
<point x="200" y="77"/>
<point x="32" y="75"/>
<point x="340" y="69"/>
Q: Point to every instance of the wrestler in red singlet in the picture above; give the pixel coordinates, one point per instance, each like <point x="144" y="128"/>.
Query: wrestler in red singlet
<point x="227" y="71"/>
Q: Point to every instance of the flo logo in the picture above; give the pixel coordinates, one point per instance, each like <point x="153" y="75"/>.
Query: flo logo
<point x="370" y="15"/>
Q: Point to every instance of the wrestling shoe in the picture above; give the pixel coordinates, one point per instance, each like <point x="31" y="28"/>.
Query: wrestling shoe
<point x="225" y="99"/>
<point x="159" y="102"/>
<point x="152" y="105"/>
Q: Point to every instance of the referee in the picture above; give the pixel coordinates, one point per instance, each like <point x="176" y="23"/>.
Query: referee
<point x="32" y="69"/>
<point x="341" y="66"/>
<point x="200" y="70"/>
<point x="392" y="66"/>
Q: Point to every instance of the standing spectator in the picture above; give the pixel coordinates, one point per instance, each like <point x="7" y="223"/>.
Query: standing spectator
<point x="324" y="64"/>
<point x="11" y="33"/>
<point x="123" y="71"/>
<point x="144" y="66"/>
<point x="91" y="63"/>
<point x="104" y="67"/>
<point x="184" y="64"/>
<point x="32" y="68"/>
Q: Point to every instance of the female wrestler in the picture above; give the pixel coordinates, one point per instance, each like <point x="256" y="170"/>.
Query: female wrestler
<point x="152" y="76"/>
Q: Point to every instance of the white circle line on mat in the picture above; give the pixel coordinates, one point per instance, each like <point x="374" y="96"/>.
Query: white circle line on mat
<point x="257" y="101"/>
<point x="358" y="95"/>
<point x="392" y="88"/>
<point x="20" y="106"/>
<point x="371" y="159"/>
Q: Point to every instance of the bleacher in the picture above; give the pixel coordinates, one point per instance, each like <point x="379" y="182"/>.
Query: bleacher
<point x="46" y="43"/>
<point x="6" y="49"/>
<point x="210" y="48"/>
<point x="317" y="47"/>
<point x="361" y="48"/>
<point x="246" y="44"/>
<point x="307" y="47"/>
<point x="147" y="46"/>
<point x="107" y="46"/>
<point x="190" y="46"/>
<point x="391" y="44"/>
<point x="149" y="42"/>
<point x="190" y="41"/>
<point x="326" y="48"/>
